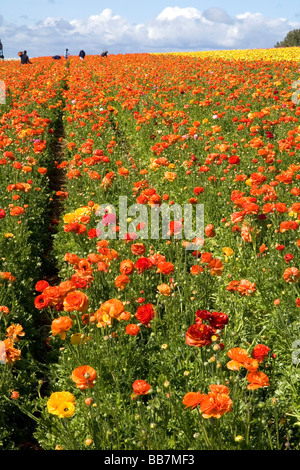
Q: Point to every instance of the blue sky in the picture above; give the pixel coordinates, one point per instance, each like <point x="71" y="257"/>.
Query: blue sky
<point x="47" y="27"/>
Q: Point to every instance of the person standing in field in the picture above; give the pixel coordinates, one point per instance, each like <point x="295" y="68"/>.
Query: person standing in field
<point x="82" y="54"/>
<point x="25" y="59"/>
<point x="1" y="50"/>
<point x="67" y="54"/>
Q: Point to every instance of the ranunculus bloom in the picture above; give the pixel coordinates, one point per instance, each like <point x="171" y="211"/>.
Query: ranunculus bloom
<point x="192" y="399"/>
<point x="141" y="387"/>
<point x="84" y="377"/>
<point x="143" y="264"/>
<point x="291" y="275"/>
<point x="138" y="249"/>
<point x="240" y="358"/>
<point x="121" y="281"/>
<point x="199" y="335"/>
<point x="164" y="289"/>
<point x="41" y="301"/>
<point x="113" y="308"/>
<point x="132" y="329"/>
<point x="216" y="403"/>
<point x="126" y="266"/>
<point x="259" y="352"/>
<point x="257" y="379"/>
<point x="41" y="285"/>
<point x="61" y="404"/>
<point x="60" y="325"/>
<point x="76" y="301"/>
<point x="165" y="267"/>
<point x="145" y="313"/>
<point x="210" y="231"/>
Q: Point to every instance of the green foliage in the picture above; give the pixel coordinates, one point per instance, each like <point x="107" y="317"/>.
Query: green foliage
<point x="292" y="39"/>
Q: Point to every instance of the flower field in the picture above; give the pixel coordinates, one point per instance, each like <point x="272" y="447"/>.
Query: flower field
<point x="113" y="340"/>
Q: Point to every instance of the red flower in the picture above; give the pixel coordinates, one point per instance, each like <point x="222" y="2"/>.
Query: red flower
<point x="260" y="351"/>
<point x="141" y="387"/>
<point x="145" y="313"/>
<point x="41" y="301"/>
<point x="199" y="335"/>
<point x="142" y="264"/>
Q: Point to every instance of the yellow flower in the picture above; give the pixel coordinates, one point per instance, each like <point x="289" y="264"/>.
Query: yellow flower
<point x="77" y="338"/>
<point x="61" y="404"/>
<point x="227" y="251"/>
<point x="69" y="218"/>
<point x="170" y="176"/>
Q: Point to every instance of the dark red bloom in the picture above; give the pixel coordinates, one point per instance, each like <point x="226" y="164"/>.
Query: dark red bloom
<point x="145" y="313"/>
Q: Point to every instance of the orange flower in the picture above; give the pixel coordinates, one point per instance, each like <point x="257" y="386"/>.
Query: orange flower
<point x="126" y="266"/>
<point x="240" y="358"/>
<point x="138" y="249"/>
<point x="141" y="387"/>
<point x="76" y="301"/>
<point x="165" y="268"/>
<point x="164" y="289"/>
<point x="65" y="287"/>
<point x="291" y="275"/>
<point x="84" y="377"/>
<point x="210" y="231"/>
<point x="121" y="281"/>
<point x="199" y="335"/>
<point x="216" y="403"/>
<point x="13" y="331"/>
<point x="113" y="308"/>
<point x="246" y="287"/>
<point x="132" y="329"/>
<point x="52" y="293"/>
<point x="192" y="399"/>
<point x="257" y="379"/>
<point x="60" y="325"/>
<point x="11" y="354"/>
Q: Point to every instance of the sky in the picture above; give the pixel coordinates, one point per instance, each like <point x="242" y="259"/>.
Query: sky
<point x="48" y="27"/>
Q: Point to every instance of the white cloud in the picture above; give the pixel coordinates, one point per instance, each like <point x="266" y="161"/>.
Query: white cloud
<point x="174" y="29"/>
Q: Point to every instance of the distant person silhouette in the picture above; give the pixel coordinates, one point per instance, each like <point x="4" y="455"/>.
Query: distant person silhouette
<point x="25" y="58"/>
<point x="104" y="54"/>
<point x="1" y="50"/>
<point x="82" y="54"/>
<point x="67" y="54"/>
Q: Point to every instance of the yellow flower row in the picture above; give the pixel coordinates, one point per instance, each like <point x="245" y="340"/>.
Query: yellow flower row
<point x="275" y="54"/>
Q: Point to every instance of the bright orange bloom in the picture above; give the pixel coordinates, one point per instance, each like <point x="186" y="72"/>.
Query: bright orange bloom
<point x="216" y="403"/>
<point x="238" y="357"/>
<point x="13" y="331"/>
<point x="164" y="289"/>
<point x="121" y="281"/>
<point x="9" y="353"/>
<point x="257" y="379"/>
<point x="141" y="387"/>
<point x="76" y="301"/>
<point x="192" y="399"/>
<point x="291" y="275"/>
<point x="84" y="377"/>
<point x="138" y="249"/>
<point x="113" y="308"/>
<point x="126" y="266"/>
<point x="132" y="329"/>
<point x="60" y="325"/>
<point x="246" y="287"/>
